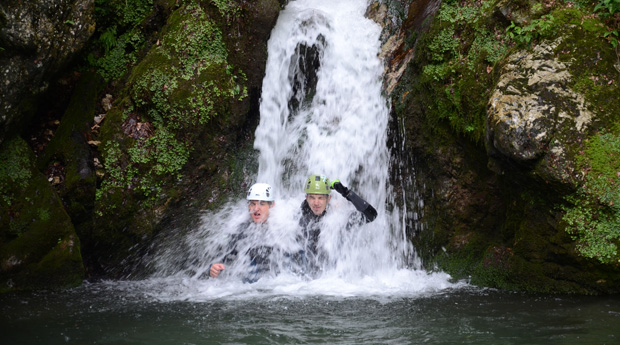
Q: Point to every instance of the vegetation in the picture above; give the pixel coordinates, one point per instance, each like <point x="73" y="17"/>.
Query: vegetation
<point x="120" y="36"/>
<point x="536" y="28"/>
<point x="183" y="81"/>
<point x="593" y="216"/>
<point x="465" y="43"/>
<point x="463" y="46"/>
<point x="15" y="169"/>
<point x="38" y="244"/>
<point x="445" y="94"/>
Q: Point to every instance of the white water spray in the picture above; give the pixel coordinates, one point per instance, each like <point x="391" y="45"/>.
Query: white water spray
<point x="333" y="123"/>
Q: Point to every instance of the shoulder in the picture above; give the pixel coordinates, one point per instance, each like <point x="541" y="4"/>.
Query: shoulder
<point x="304" y="205"/>
<point x="241" y="230"/>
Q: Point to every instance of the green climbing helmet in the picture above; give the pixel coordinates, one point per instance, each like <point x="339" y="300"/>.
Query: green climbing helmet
<point x="317" y="184"/>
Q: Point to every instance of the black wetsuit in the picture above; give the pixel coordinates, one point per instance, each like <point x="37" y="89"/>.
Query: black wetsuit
<point x="259" y="256"/>
<point x="310" y="256"/>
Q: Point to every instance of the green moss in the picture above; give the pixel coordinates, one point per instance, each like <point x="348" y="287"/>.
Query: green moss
<point x="38" y="244"/>
<point x="460" y="48"/>
<point x="593" y="212"/>
<point x="516" y="241"/>
<point x="15" y="168"/>
<point x="182" y="88"/>
<point x="121" y="36"/>
<point x="181" y="84"/>
<point x="70" y="150"/>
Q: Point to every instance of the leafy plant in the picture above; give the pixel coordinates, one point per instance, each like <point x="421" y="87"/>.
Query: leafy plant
<point x="608" y="7"/>
<point x="120" y="53"/>
<point x="108" y="38"/>
<point x="535" y="29"/>
<point x="444" y="46"/>
<point x="612" y="37"/>
<point x="166" y="154"/>
<point x="593" y="213"/>
<point x="228" y="8"/>
<point x="487" y="47"/>
<point x="120" y="36"/>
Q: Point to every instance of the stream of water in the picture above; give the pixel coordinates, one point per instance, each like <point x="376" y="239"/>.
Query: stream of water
<point x="372" y="290"/>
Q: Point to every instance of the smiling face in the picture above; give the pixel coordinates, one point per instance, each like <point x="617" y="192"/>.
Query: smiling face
<point x="318" y="202"/>
<point x="259" y="210"/>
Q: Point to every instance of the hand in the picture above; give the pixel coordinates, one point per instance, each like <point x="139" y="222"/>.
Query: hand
<point x="340" y="188"/>
<point x="215" y="270"/>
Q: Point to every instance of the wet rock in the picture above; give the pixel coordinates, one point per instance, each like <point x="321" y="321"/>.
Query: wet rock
<point x="68" y="158"/>
<point x="398" y="47"/>
<point x="516" y="11"/>
<point x="304" y="67"/>
<point x="39" y="247"/>
<point x="534" y="115"/>
<point x="492" y="209"/>
<point x="38" y="38"/>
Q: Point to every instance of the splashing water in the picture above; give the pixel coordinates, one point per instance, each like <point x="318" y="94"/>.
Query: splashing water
<point x="322" y="112"/>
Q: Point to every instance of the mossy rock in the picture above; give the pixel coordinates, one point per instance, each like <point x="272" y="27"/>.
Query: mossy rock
<point x="177" y="138"/>
<point x="70" y="149"/>
<point x="497" y="222"/>
<point x="39" y="247"/>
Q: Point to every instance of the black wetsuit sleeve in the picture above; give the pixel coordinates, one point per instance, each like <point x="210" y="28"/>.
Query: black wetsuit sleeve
<point x="361" y="205"/>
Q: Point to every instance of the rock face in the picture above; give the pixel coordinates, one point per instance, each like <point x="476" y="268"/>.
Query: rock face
<point x="166" y="140"/>
<point x="534" y="115"/>
<point x="486" y="142"/>
<point x="37" y="39"/>
<point x="39" y="247"/>
<point x="492" y="144"/>
<point x="173" y="142"/>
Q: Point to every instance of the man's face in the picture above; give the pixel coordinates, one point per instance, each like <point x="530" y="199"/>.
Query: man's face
<point x="259" y="210"/>
<point x="318" y="202"/>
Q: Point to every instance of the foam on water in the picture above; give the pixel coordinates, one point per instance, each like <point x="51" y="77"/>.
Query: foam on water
<point x="340" y="131"/>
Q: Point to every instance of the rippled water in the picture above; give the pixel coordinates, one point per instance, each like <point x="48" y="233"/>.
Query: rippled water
<point x="114" y="313"/>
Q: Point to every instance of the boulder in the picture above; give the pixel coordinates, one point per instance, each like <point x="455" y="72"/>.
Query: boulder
<point x="534" y="115"/>
<point x="38" y="244"/>
<point x="37" y="39"/>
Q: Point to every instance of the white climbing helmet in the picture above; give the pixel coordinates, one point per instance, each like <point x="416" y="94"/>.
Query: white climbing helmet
<point x="260" y="191"/>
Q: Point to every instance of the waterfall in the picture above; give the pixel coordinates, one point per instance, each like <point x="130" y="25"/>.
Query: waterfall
<point x="322" y="112"/>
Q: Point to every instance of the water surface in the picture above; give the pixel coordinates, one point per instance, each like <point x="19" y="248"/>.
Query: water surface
<point x="107" y="313"/>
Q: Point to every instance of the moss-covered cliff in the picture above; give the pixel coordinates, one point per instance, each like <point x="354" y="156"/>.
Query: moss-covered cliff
<point x="39" y="247"/>
<point x="165" y="100"/>
<point x="498" y="104"/>
<point x="180" y="121"/>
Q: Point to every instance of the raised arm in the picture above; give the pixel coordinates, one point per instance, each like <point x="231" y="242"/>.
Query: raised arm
<point x="360" y="204"/>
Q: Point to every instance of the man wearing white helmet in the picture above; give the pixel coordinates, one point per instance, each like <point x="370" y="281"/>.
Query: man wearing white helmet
<point x="260" y="201"/>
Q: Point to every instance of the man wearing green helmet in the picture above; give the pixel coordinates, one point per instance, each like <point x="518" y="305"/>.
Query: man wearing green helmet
<point x="314" y="208"/>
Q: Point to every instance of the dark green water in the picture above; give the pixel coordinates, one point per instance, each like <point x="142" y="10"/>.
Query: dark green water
<point x="96" y="315"/>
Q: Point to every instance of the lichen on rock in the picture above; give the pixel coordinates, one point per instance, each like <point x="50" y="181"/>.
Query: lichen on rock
<point x="533" y="113"/>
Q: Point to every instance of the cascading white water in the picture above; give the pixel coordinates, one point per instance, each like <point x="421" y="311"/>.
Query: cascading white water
<point x="337" y="128"/>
